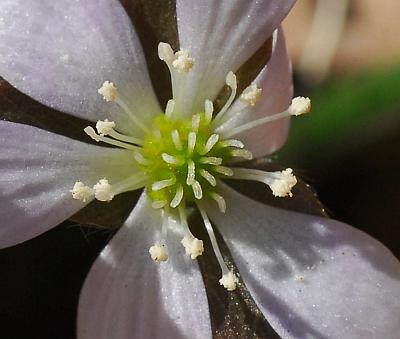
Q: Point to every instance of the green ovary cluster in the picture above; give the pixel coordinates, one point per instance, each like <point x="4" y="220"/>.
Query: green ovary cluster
<point x="167" y="156"/>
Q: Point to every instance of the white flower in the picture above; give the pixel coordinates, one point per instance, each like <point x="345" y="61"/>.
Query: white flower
<point x="63" y="52"/>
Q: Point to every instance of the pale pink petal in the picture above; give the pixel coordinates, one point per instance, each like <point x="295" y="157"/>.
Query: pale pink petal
<point x="221" y="35"/>
<point x="60" y="52"/>
<point x="37" y="171"/>
<point x="128" y="295"/>
<point x="275" y="80"/>
<point x="312" y="277"/>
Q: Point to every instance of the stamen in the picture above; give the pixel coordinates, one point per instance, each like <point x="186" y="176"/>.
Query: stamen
<point x="105" y="127"/>
<point x="209" y="109"/>
<point x="191" y="173"/>
<point x="282" y="185"/>
<point x="220" y="201"/>
<point x="178" y="197"/>
<point x="108" y="91"/>
<point x="172" y="160"/>
<point x="208" y="176"/>
<point x="197" y="191"/>
<point x="195" y="122"/>
<point x="251" y="95"/>
<point x="81" y="192"/>
<point x="91" y="133"/>
<point x="170" y="108"/>
<point x="224" y="170"/>
<point x="191" y="142"/>
<point x="158" y="253"/>
<point x="103" y="191"/>
<point x="183" y="62"/>
<point x="299" y="106"/>
<point x="159" y="185"/>
<point x="210" y="160"/>
<point x="176" y="140"/>
<point x="232" y="83"/>
<point x="242" y="153"/>
<point x="211" y="142"/>
<point x="193" y="246"/>
<point x="280" y="182"/>
<point x="232" y="143"/>
<point x="165" y="52"/>
<point x="140" y="158"/>
<point x="229" y="282"/>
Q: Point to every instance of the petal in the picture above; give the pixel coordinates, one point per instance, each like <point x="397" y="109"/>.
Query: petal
<point x="37" y="171"/>
<point x="61" y="52"/>
<point x="312" y="276"/>
<point x="127" y="295"/>
<point x="221" y="35"/>
<point x="275" y="79"/>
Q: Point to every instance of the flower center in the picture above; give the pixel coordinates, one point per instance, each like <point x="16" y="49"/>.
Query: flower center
<point x="183" y="159"/>
<point x="180" y="159"/>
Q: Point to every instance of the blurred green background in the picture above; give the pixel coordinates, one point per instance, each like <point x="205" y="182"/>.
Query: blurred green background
<point x="346" y="57"/>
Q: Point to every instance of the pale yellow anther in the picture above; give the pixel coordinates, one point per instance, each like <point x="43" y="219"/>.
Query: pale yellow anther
<point x="108" y="91"/>
<point x="158" y="253"/>
<point x="105" y="127"/>
<point x="103" y="190"/>
<point x="283" y="183"/>
<point x="91" y="133"/>
<point x="81" y="192"/>
<point x="229" y="281"/>
<point x="231" y="80"/>
<point x="251" y="95"/>
<point x="165" y="52"/>
<point x="183" y="62"/>
<point x="193" y="246"/>
<point x="300" y="105"/>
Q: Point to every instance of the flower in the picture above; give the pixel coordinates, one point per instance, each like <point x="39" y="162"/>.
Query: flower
<point x="310" y="276"/>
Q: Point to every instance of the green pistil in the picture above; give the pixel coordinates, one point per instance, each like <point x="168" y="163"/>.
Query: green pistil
<point x="160" y="141"/>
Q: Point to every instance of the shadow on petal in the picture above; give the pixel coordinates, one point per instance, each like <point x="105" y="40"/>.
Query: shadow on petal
<point x="334" y="278"/>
